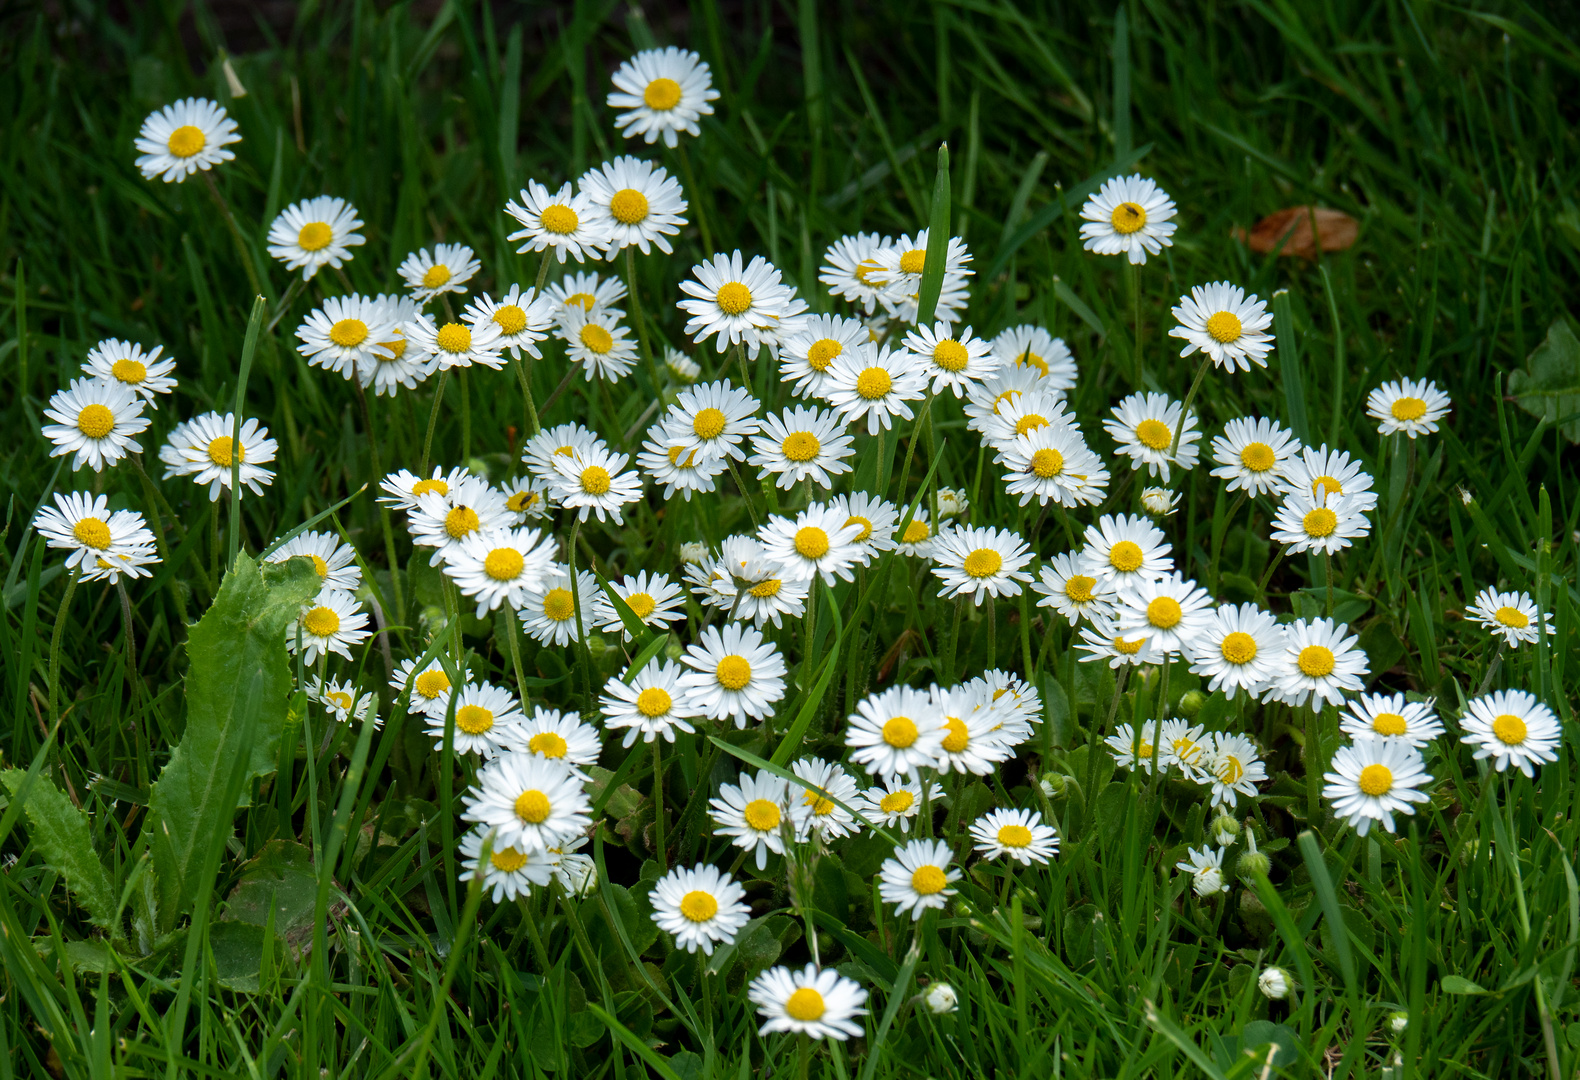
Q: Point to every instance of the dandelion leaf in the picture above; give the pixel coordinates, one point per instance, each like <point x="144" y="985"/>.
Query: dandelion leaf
<point x="1548" y="386"/>
<point x="60" y="833"/>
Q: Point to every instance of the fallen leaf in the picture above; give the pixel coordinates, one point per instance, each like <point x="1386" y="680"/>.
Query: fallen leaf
<point x="1336" y="231"/>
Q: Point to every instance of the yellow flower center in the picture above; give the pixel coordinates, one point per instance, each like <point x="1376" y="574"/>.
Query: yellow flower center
<point x="654" y="701"/>
<point x="866" y="527"/>
<point x="521" y="501"/>
<point x="1224" y="327"/>
<point x="314" y="236"/>
<point x="583" y="300"/>
<point x="698" y="906"/>
<point x="629" y="206"/>
<point x="559" y="605"/>
<point x="805" y="1005"/>
<point x="762" y="815"/>
<point x="708" y="424"/>
<point x="1316" y="661"/>
<point x="186" y="141"/>
<point x="1258" y="457"/>
<point x="437" y="275"/>
<point x="1047" y="463"/>
<point x="129" y="371"/>
<point x="763" y="590"/>
<point x="821" y="806"/>
<point x="661" y="94"/>
<point x="422" y="487"/>
<point x="1389" y="723"/>
<point x="595" y="480"/>
<point x="1326" y="485"/>
<point x="461" y="521"/>
<point x="1164" y="613"/>
<point x="321" y="622"/>
<point x="96" y="421"/>
<point x="865" y="268"/>
<point x="1230" y="770"/>
<point x="597" y="338"/>
<point x="1078" y="587"/>
<point x="733" y="672"/>
<point x="474" y="719"/>
<point x="928" y="880"/>
<point x="1030" y="422"/>
<point x="822" y="353"/>
<point x="641" y="604"/>
<point x="1509" y="729"/>
<point x="800" y="446"/>
<point x="959" y="736"/>
<point x="873" y="383"/>
<point x="1125" y="556"/>
<point x="1154" y="434"/>
<point x="320" y="567"/>
<point x="1320" y="522"/>
<point x="533" y="807"/>
<point x="1376" y="780"/>
<point x="504" y="564"/>
<point x="1513" y="618"/>
<point x="998" y="402"/>
<point x="899" y="732"/>
<point x="548" y="743"/>
<point x="510" y="319"/>
<point x="950" y="355"/>
<point x="219" y="451"/>
<point x="913" y="261"/>
<point x="811" y="542"/>
<point x="454" y="338"/>
<point x="1015" y="836"/>
<point x="430" y="684"/>
<point x="396" y="346"/>
<point x="1128" y="217"/>
<point x="1408" y="408"/>
<point x="93" y="532"/>
<point x="983" y="562"/>
<point x="1238" y="647"/>
<point x="507" y="860"/>
<point x="916" y="532"/>
<point x="733" y="298"/>
<point x="348" y="333"/>
<point x="896" y="802"/>
<point x="1032" y="360"/>
<point x="559" y="219"/>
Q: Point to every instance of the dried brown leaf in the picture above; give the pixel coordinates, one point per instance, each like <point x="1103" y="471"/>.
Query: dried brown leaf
<point x="1336" y="231"/>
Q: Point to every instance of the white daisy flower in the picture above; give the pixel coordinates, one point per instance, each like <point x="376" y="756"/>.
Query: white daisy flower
<point x="1018" y="705"/>
<point x="1143" y="425"/>
<point x="918" y="540"/>
<point x="848" y="270"/>
<point x="652" y="705"/>
<point x="315" y="233"/>
<point x="737" y="674"/>
<point x="897" y="731"/>
<point x="178" y="140"/>
<point x="692" y="552"/>
<point x="954" y="360"/>
<point x="918" y="877"/>
<point x="1251" y="455"/>
<point x="1325" y="523"/>
<point x="1319" y="662"/>
<point x="1069" y="589"/>
<point x="456" y="344"/>
<point x="208" y="454"/>
<point x="595" y="482"/>
<point x="577" y="874"/>
<point x="1184" y="747"/>
<point x="560" y="736"/>
<point x="1015" y="834"/>
<point x="876" y="384"/>
<point x="500" y="566"/>
<point x="1205" y="866"/>
<point x="682" y="368"/>
<point x="1053" y="463"/>
<point x="522" y="317"/>
<point x="1413" y="406"/>
<point x="341" y="700"/>
<point x="699" y="907"/>
<point x="817" y="543"/>
<point x="1125" y="549"/>
<point x="677" y="468"/>
<point x="525" y="500"/>
<point x="1237" y="648"/>
<point x="652" y="598"/>
<point x="1390" y="716"/>
<point x="446" y="269"/>
<point x="820" y="1004"/>
<point x="334" y="560"/>
<point x="587" y="291"/>
<point x="332" y="623"/>
<point x="986" y="400"/>
<point x="1135" y="747"/>
<point x="548" y="611"/>
<point x="535" y="804"/>
<point x="733" y="303"/>
<point x="95" y="419"/>
<point x="636" y="202"/>
<point x="1130" y="216"/>
<point x="430" y="687"/>
<point x="467" y="507"/>
<point x="712" y="419"/>
<point x="1373" y="780"/>
<point x="941" y="999"/>
<point x="1221" y="321"/>
<point x="1274" y="983"/>
<point x="1102" y="640"/>
<point x="663" y="92"/>
<point x="394" y="365"/>
<point x="802" y="443"/>
<point x="823" y="810"/>
<point x="509" y="873"/>
<point x="897" y="801"/>
<point x="561" y="220"/>
<point x="752" y="813"/>
<point x="1016" y="415"/>
<point x="747" y="585"/>
<point x="1512" y="728"/>
<point x="1031" y="348"/>
<point x="346" y="334"/>
<point x="1232" y="764"/>
<point x="1512" y="614"/>
<point x="552" y="444"/>
<point x="599" y="343"/>
<point x="979" y="562"/>
<point x="900" y="268"/>
<point x="147" y="376"/>
<point x="1320" y="470"/>
<point x="874" y="519"/>
<point x="1159" y="502"/>
<point x="103" y="544"/>
<point x="952" y="502"/>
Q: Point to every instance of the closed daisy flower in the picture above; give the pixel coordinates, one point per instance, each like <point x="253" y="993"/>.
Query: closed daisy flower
<point x="713" y="419"/>
<point x="1159" y="502"/>
<point x="817" y="543"/>
<point x="341" y="700"/>
<point x="806" y="356"/>
<point x="178" y="140"/>
<point x="95" y="419"/>
<point x="334" y="560"/>
<point x="1143" y="425"/>
<point x="1221" y="321"/>
<point x="1102" y="640"/>
<point x="587" y="291"/>
<point x="430" y="687"/>
<point x="1031" y="348"/>
<point x="443" y="522"/>
<point x="533" y="803"/>
<point x="1015" y="834"/>
<point x="1390" y="716"/>
<point x="1512" y="615"/>
<point x="525" y="500"/>
<point x="394" y="365"/>
<point x="599" y="343"/>
<point x="802" y="444"/>
<point x="1130" y="216"/>
<point x="876" y="384"/>
<point x="918" y="877"/>
<point x="874" y="519"/>
<point x="1232" y="765"/>
<point x="1411" y="406"/>
<point x="735" y="304"/>
<point x="662" y="92"/>
<point x="1251" y="454"/>
<point x="522" y="318"/>
<point x="636" y="202"/>
<point x="736" y="674"/>
<point x="595" y="482"/>
<point x="980" y="562"/>
<point x="446" y="269"/>
<point x="562" y="220"/>
<point x="332" y="623"/>
<point x="1237" y="648"/>
<point x="1332" y="472"/>
<point x="651" y="706"/>
<point x="682" y="368"/>
<point x="1512" y="728"/>
<point x="548" y="610"/>
<point x="1318" y="662"/>
<point x="1052" y="463"/>
<point x="824" y="806"/>
<point x="560" y="736"/>
<point x="315" y="233"/>
<point x="652" y="598"/>
<point x="1205" y="866"/>
<point x="820" y="1004"/>
<point x="499" y="566"/>
<point x="208" y="454"/>
<point x="102" y="544"/>
<point x="1325" y="523"/>
<point x="954" y="360"/>
<point x="144" y="374"/>
<point x="897" y="801"/>
<point x="753" y="814"/>
<point x="509" y="873"/>
<point x="1373" y="780"/>
<point x="895" y="732"/>
<point x="1135" y="747"/>
<point x="699" y="907"/>
<point x="848" y="269"/>
<point x="456" y="344"/>
<point x="1067" y="587"/>
<point x="347" y="334"/>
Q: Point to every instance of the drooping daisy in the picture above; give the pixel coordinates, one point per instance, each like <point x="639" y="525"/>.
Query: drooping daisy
<point x="1125" y="549"/>
<point x="954" y="360"/>
<point x="456" y="344"/>
<point x="900" y="267"/>
<point x="95" y="419"/>
<point x="594" y="481"/>
<point x="802" y="443"/>
<point x="734" y="303"/>
<point x="522" y="317"/>
<point x="986" y="400"/>
<point x="917" y="538"/>
<point x="1251" y="454"/>
<point x="534" y="803"/>
<point x="1066" y="587"/>
<point x="332" y="623"/>
<point x="445" y="269"/>
<point x="651" y="706"/>
<point x="821" y="1004"/>
<point x="560" y="736"/>
<point x="548" y="611"/>
<point x="430" y="687"/>
<point x="509" y="872"/>
<point x="895" y="732"/>
<point x="1325" y="523"/>
<point x="1512" y="614"/>
<point x="980" y="562"/>
<point x="1512" y="728"/>
<point x="677" y="468"/>
<point x="103" y="544"/>
<point x="599" y="343"/>
<point x="499" y="566"/>
<point x="1102" y="640"/>
<point x="525" y="500"/>
<point x="1221" y="321"/>
<point x="636" y="202"/>
<point x="209" y="453"/>
<point x="1130" y="216"/>
<point x="1374" y="779"/>
<point x="699" y="907"/>
<point x="663" y="92"/>
<point x="1135" y="747"/>
<point x="1015" y="834"/>
<point x="1237" y="648"/>
<point x="713" y="419"/>
<point x="178" y="140"/>
<point x="587" y="291"/>
<point x="346" y="334"/>
<point x="1205" y="866"/>
<point x="144" y="374"/>
<point x="1031" y="348"/>
<point x="341" y="700"/>
<point x="918" y="877"/>
<point x="1390" y="716"/>
<point x="682" y="368"/>
<point x="848" y="269"/>
<point x="1052" y="463"/>
<point x="395" y="365"/>
<point x="652" y="598"/>
<point x="1318" y="662"/>
<point x="1233" y="766"/>
<point x="897" y="801"/>
<point x="875" y="383"/>
<point x="334" y="560"/>
<point x="315" y="233"/>
<point x="1413" y="406"/>
<point x="753" y="814"/>
<point x="825" y="805"/>
<point x="818" y="542"/>
<point x="551" y="444"/>
<point x="736" y="674"/>
<point x="1143" y="425"/>
<point x="1320" y="470"/>
<point x="562" y="220"/>
<point x="874" y="519"/>
<point x="467" y="506"/>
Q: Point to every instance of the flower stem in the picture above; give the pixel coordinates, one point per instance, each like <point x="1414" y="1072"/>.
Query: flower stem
<point x="1190" y="396"/>
<point x="61" y="618"/>
<point x="641" y="322"/>
<point x="658" y="806"/>
<point x="433" y="421"/>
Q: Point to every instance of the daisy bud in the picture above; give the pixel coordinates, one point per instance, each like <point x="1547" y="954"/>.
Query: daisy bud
<point x="1398" y="1021"/>
<point x="1191" y="702"/>
<point x="941" y="999"/>
<point x="1054" y="785"/>
<point x="693" y="552"/>
<point x="952" y="503"/>
<point x="596" y="647"/>
<point x="1225" y="830"/>
<point x="1274" y="983"/>
<point x="1252" y="865"/>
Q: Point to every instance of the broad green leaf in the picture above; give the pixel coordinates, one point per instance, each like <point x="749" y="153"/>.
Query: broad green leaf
<point x="60" y="833"/>
<point x="239" y="678"/>
<point x="1458" y="984"/>
<point x="1548" y="386"/>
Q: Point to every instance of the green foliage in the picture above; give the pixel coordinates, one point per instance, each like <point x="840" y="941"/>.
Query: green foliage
<point x="1549" y="385"/>
<point x="62" y="835"/>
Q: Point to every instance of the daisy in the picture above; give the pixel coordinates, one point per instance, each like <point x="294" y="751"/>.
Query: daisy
<point x="1319" y="661"/>
<point x="874" y="519"/>
<point x="918" y="877"/>
<point x="1221" y="321"/>
<point x="820" y="1004"/>
<point x="103" y="544"/>
<point x="1511" y="614"/>
<point x="332" y="623"/>
<point x="533" y="803"/>
<point x="677" y="468"/>
<point x="682" y="368"/>
<point x="548" y="610"/>
<point x="1251" y="455"/>
<point x="456" y="344"/>
<point x="525" y="500"/>
<point x="712" y="419"/>
<point x="560" y="441"/>
<point x="577" y="874"/>
<point x="1274" y="983"/>
<point x="664" y="92"/>
<point x="1182" y="746"/>
<point x="699" y="907"/>
<point x="747" y="584"/>
<point x="1031" y="348"/>
<point x="817" y="543"/>
<point x="752" y="814"/>
<point x="466" y="507"/>
<point x="509" y="873"/>
<point x="180" y="139"/>
<point x="737" y="304"/>
<point x="144" y="374"/>
<point x="895" y="732"/>
<point x="95" y="420"/>
<point x="1019" y="706"/>
<point x="1102" y="640"/>
<point x="1321" y="470"/>
<point x="315" y="233"/>
<point x="596" y="340"/>
<point x="897" y="801"/>
<point x="653" y="599"/>
<point x="499" y="566"/>
<point x="1017" y="834"/>
<point x="1232" y="764"/>
<point x="636" y="202"/>
<point x="652" y="705"/>
<point x="876" y="384"/>
<point x="1512" y="728"/>
<point x="1325" y="523"/>
<point x="1205" y="866"/>
<point x="1237" y="648"/>
<point x="1143" y="425"/>
<point x="986" y="400"/>
<point x="975" y="740"/>
<point x="900" y="267"/>
<point x="1053" y="463"/>
<point x="1159" y="502"/>
<point x="333" y="560"/>
<point x="917" y="539"/>
<point x="1072" y="592"/>
<point x="341" y="700"/>
<point x="1390" y="716"/>
<point x="563" y="221"/>
<point x="980" y="561"/>
<point x="1125" y="549"/>
<point x="560" y="736"/>
<point x="737" y="674"/>
<point x="523" y="318"/>
<point x="1413" y="406"/>
<point x="955" y="361"/>
<point x="802" y="444"/>
<point x="595" y="482"/>
<point x="1021" y="414"/>
<point x="587" y="291"/>
<point x="1374" y="779"/>
<point x="208" y="455"/>
<point x="825" y="804"/>
<point x="347" y="334"/>
<point x="1135" y="747"/>
<point x="446" y="269"/>
<point x="952" y="502"/>
<point x="1128" y="216"/>
<point x="394" y="365"/>
<point x="430" y="687"/>
<point x="848" y="270"/>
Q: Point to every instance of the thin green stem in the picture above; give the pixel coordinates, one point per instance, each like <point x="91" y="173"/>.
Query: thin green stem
<point x="638" y="319"/>
<point x="433" y="421"/>
<point x="61" y="618"/>
<point x="658" y="806"/>
<point x="1190" y="397"/>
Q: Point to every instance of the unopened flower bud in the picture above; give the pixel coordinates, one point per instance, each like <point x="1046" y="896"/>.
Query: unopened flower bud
<point x="1252" y="865"/>
<point x="1274" y="983"/>
<point x="693" y="552"/>
<point x="1191" y="702"/>
<point x="1398" y="1021"/>
<point x="1225" y="830"/>
<point x="941" y="999"/>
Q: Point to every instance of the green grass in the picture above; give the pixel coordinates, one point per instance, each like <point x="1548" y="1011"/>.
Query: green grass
<point x="1448" y="133"/>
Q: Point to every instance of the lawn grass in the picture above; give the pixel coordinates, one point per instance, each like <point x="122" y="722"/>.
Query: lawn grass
<point x="1448" y="133"/>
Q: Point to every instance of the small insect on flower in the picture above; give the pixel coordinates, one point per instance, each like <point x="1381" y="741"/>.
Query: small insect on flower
<point x="1511" y="615"/>
<point x="736" y="674"/>
<point x="1015" y="834"/>
<point x="561" y="220"/>
<point x="1374" y="779"/>
<point x="445" y="269"/>
<point x="1390" y="716"/>
<point x="1130" y="216"/>
<point x="735" y="304"/>
<point x="1221" y="321"/>
<point x="95" y="419"/>
<point x="637" y="203"/>
<point x="525" y="500"/>
<point x="1411" y="406"/>
<point x="753" y="814"/>
<point x="102" y="544"/>
<point x="917" y="877"/>
<point x="347" y="334"/>
<point x="700" y="907"/>
<point x="1143" y="425"/>
<point x="663" y="92"/>
<point x="178" y="140"/>
<point x="535" y="804"/>
<point x="207" y="454"/>
<point x="652" y="705"/>
<point x="332" y="623"/>
<point x="443" y="519"/>
<point x="980" y="562"/>
<point x="333" y="560"/>
<point x="1205" y="866"/>
<point x="1251" y="455"/>
<point x="820" y="1004"/>
<point x="1512" y="728"/>
<point x="315" y="233"/>
<point x="144" y="374"/>
<point x="1052" y="463"/>
<point x="509" y="872"/>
